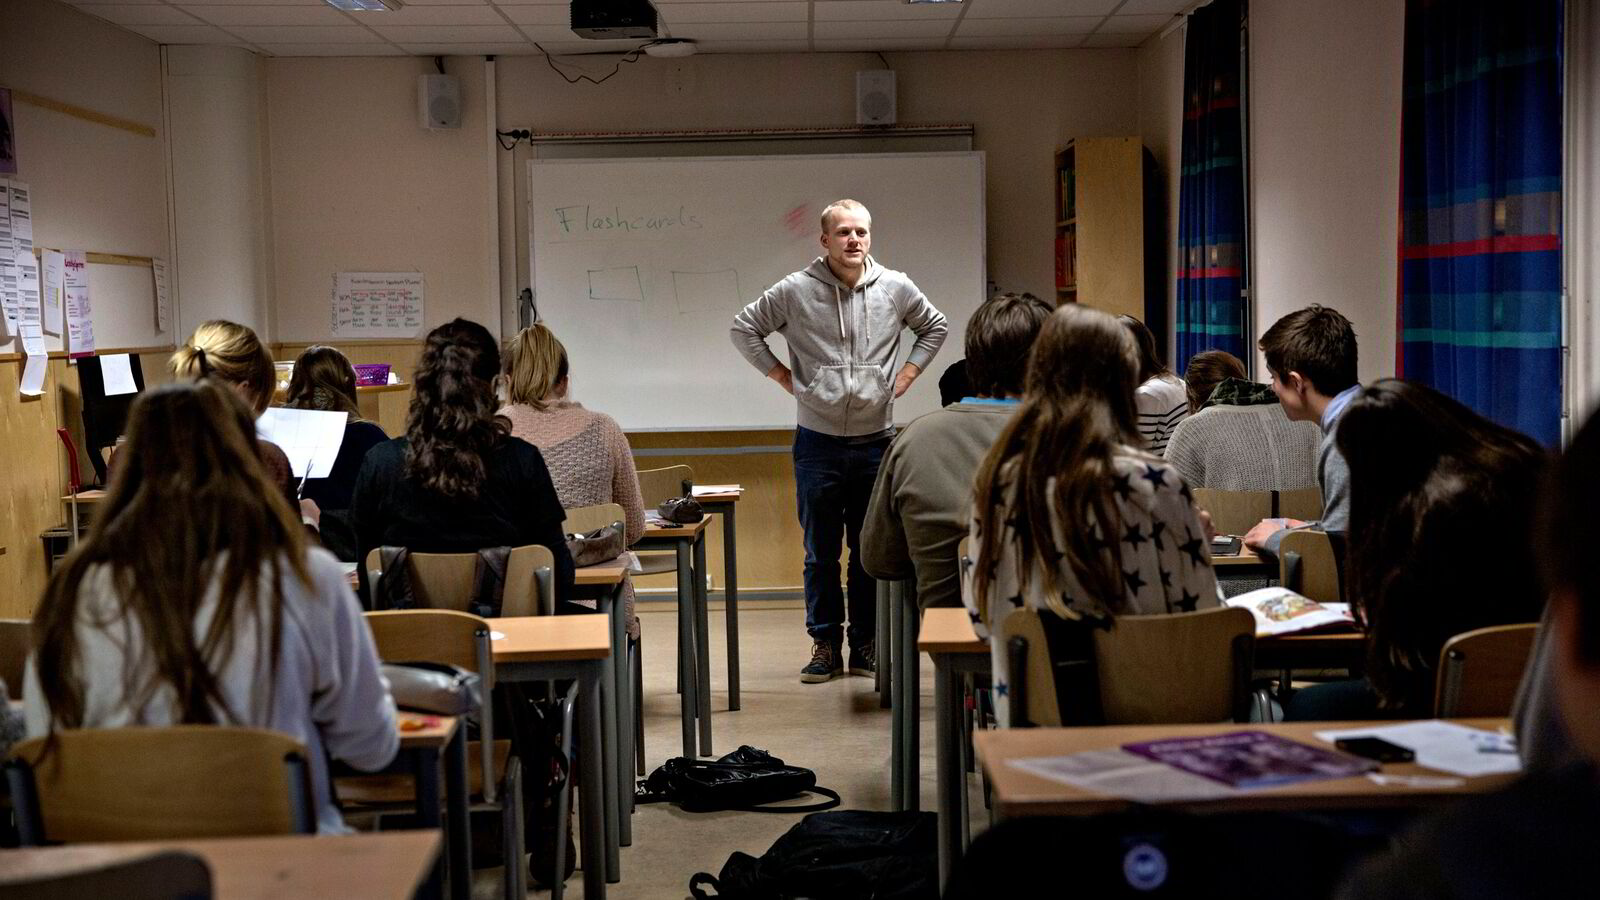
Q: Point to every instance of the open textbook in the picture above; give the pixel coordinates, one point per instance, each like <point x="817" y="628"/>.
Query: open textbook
<point x="1282" y="611"/>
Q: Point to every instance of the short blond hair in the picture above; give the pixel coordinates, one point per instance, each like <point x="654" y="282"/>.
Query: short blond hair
<point x="534" y="363"/>
<point x="232" y="353"/>
<point x="847" y="203"/>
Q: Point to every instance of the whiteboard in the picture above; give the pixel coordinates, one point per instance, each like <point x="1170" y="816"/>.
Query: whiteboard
<point x="639" y="266"/>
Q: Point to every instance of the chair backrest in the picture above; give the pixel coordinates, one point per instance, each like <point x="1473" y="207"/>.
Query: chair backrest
<point x="656" y="485"/>
<point x="1479" y="671"/>
<point x="584" y="519"/>
<point x="181" y="781"/>
<point x="1308" y="565"/>
<point x="16" y="642"/>
<point x="1163" y="669"/>
<point x="1234" y="512"/>
<point x="1304" y="504"/>
<point x="444" y="580"/>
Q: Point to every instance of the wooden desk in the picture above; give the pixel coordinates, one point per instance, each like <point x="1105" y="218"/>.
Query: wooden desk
<point x="1019" y="793"/>
<point x="947" y="635"/>
<point x="617" y="687"/>
<point x="552" y="648"/>
<point x="1245" y="558"/>
<point x="722" y="503"/>
<point x="694" y="626"/>
<point x="387" y="865"/>
<point x="1334" y="650"/>
<point x="425" y="742"/>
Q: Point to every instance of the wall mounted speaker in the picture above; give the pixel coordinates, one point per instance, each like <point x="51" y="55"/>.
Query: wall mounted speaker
<point x="875" y="97"/>
<point x="439" y="101"/>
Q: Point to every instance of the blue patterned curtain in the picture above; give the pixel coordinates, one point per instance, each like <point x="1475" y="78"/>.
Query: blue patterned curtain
<point x="1211" y="257"/>
<point x="1480" y="240"/>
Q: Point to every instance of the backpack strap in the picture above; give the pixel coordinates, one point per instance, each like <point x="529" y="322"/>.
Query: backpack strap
<point x="832" y="801"/>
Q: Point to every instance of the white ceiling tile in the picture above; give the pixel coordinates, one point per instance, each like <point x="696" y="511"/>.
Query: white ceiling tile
<point x="440" y="2"/>
<point x="662" y="4"/>
<point x="754" y="46"/>
<point x="870" y="45"/>
<point x="85" y="5"/>
<point x="1017" y="42"/>
<point x="432" y="15"/>
<point x="259" y="14"/>
<point x="305" y="34"/>
<point x="331" y="50"/>
<point x="1114" y="40"/>
<point x="859" y="10"/>
<point x="1027" y="27"/>
<point x="1154" y="7"/>
<point x="309" y="3"/>
<point x="544" y="14"/>
<point x="447" y="34"/>
<point x="745" y="31"/>
<point x="882" y="29"/>
<point x="502" y="49"/>
<point x="184" y="34"/>
<point x="1029" y="9"/>
<point x="1135" y="24"/>
<point x="140" y="14"/>
<point x="551" y="33"/>
<point x="687" y="13"/>
<point x="580" y="47"/>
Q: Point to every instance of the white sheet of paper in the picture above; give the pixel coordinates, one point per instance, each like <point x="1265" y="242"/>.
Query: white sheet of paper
<point x="33" y="374"/>
<point x="118" y="374"/>
<point x="310" y="437"/>
<point x="1443" y="746"/>
<point x="75" y="304"/>
<point x="10" y="296"/>
<point x="1119" y="773"/>
<point x="158" y="267"/>
<point x="52" y="267"/>
<point x="701" y="490"/>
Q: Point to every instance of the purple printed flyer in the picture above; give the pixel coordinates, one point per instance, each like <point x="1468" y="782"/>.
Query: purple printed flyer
<point x="1251" y="759"/>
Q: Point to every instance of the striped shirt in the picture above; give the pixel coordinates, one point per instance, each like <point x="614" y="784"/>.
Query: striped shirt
<point x="1162" y="405"/>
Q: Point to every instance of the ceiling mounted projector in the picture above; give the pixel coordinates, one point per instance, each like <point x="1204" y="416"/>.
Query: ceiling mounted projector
<point x="612" y="20"/>
<point x="671" y="48"/>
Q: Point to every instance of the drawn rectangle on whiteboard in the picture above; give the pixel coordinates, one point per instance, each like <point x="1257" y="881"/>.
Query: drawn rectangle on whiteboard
<point x="617" y="283"/>
<point x="707" y="291"/>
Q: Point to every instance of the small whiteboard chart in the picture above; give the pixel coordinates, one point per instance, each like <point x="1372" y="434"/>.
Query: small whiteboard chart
<point x="377" y="305"/>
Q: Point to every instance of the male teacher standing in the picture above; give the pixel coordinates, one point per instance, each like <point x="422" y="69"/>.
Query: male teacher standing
<point x="841" y="317"/>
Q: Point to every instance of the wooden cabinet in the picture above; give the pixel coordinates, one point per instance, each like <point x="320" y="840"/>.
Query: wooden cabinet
<point x="1101" y="226"/>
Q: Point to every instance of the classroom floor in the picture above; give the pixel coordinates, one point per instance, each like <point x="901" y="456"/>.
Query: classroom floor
<point x="836" y="729"/>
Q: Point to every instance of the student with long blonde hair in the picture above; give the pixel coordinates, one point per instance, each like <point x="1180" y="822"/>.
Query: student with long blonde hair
<point x="196" y="600"/>
<point x="1069" y="516"/>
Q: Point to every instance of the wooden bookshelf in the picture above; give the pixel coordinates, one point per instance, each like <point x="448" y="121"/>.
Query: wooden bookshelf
<point x="1100" y="224"/>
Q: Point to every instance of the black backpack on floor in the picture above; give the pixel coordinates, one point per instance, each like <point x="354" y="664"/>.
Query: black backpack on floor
<point x="841" y="855"/>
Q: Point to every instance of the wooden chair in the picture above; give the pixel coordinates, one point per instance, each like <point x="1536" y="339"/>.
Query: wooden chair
<point x="1307" y="565"/>
<point x="1234" y="512"/>
<point x="150" y="784"/>
<point x="16" y="642"/>
<point x="1149" y="670"/>
<point x="444" y="580"/>
<point x="494" y="774"/>
<point x="1304" y="504"/>
<point x="1479" y="671"/>
<point x="584" y="519"/>
<point x="656" y="485"/>
<point x="157" y="875"/>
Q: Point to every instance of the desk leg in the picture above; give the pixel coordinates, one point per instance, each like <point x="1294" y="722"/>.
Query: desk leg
<point x="702" y="644"/>
<point x="910" y="675"/>
<point x="458" y="820"/>
<point x="592" y="799"/>
<point x="730" y="591"/>
<point x="897" y="705"/>
<point x="880" y="638"/>
<point x="686" y="675"/>
<point x="608" y="724"/>
<point x="620" y="751"/>
<point x="949" y="773"/>
<point x="425" y="774"/>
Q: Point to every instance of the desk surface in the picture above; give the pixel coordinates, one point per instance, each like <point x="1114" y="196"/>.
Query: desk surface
<point x="1020" y="793"/>
<point x="606" y="573"/>
<point x="731" y="495"/>
<point x="552" y="638"/>
<point x="420" y="730"/>
<point x="1245" y="557"/>
<point x="388" y="864"/>
<point x="949" y="630"/>
<point x="652" y="530"/>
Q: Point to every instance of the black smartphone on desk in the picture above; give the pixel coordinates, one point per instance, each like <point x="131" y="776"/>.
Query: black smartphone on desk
<point x="1375" y="749"/>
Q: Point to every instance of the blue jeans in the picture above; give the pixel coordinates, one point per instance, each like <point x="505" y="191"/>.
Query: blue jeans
<point x="833" y="483"/>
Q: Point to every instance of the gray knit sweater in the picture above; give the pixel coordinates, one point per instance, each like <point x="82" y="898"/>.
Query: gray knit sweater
<point x="1245" y="448"/>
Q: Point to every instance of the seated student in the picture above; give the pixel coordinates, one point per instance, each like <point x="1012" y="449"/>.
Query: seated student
<point x="458" y="481"/>
<point x="919" y="508"/>
<point x="195" y="600"/>
<point x="1311" y="353"/>
<point x="1160" y="396"/>
<point x="233" y="355"/>
<point x="1237" y="437"/>
<point x="1537" y="837"/>
<point x="324" y="380"/>
<point x="588" y="455"/>
<point x="1068" y="511"/>
<point x="1430" y="483"/>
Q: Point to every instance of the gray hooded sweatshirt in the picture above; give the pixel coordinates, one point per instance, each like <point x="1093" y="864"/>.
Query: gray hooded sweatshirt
<point x="842" y="342"/>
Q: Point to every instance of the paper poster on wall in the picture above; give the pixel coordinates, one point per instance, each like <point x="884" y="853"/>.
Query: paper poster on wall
<point x="75" y="302"/>
<point x="8" y="251"/>
<point x="8" y="134"/>
<point x="28" y="323"/>
<point x="377" y="305"/>
<point x="52" y="271"/>
<point x="158" y="267"/>
<point x="22" y="240"/>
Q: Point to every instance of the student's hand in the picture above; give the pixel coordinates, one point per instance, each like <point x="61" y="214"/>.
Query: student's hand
<point x="902" y="382"/>
<point x="781" y="374"/>
<point x="311" y="513"/>
<point x="1257" y="537"/>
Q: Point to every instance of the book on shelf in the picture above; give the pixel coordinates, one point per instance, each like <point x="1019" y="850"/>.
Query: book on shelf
<point x="1061" y="261"/>
<point x="1280" y="611"/>
<point x="1251" y="759"/>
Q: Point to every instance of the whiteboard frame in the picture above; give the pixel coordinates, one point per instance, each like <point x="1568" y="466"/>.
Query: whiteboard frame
<point x="983" y="235"/>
